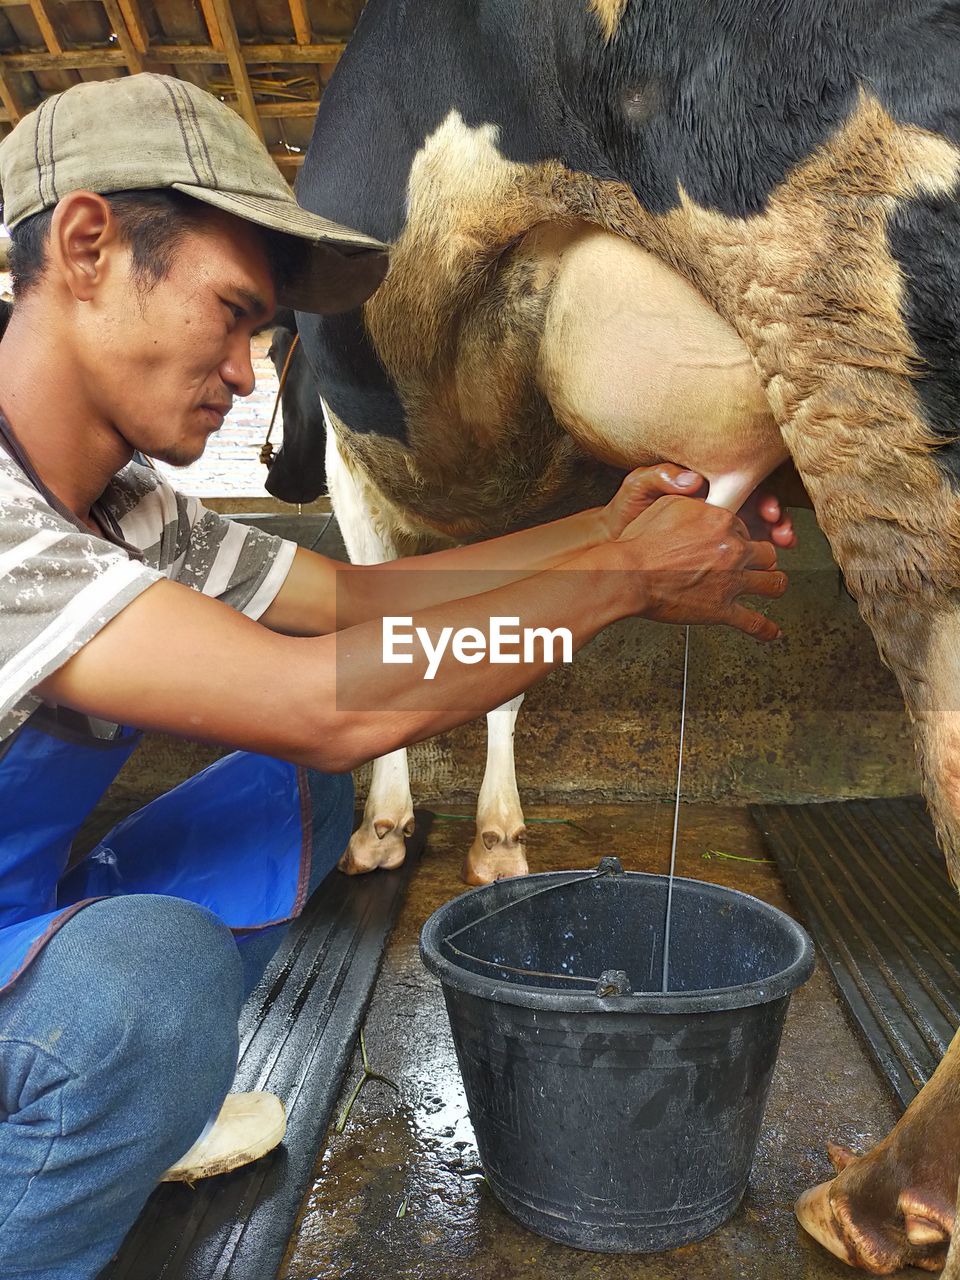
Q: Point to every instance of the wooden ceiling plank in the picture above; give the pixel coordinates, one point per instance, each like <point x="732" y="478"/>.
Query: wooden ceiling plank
<point x="119" y="25"/>
<point x="301" y="21"/>
<point x="237" y="65"/>
<point x="135" y="24"/>
<point x="50" y="38"/>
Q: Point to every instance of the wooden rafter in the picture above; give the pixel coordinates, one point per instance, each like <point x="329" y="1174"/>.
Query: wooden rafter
<point x="305" y="109"/>
<point x="187" y="54"/>
<point x="238" y="68"/>
<point x="16" y="108"/>
<point x="327" y="51"/>
<point x="274" y="80"/>
<point x="117" y="21"/>
<point x="135" y="24"/>
<point x="322" y="51"/>
<point x="301" y="21"/>
<point x="212" y="20"/>
<point x="40" y="16"/>
<point x="75" y="60"/>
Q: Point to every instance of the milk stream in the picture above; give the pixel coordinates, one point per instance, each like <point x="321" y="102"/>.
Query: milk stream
<point x="665" y="983"/>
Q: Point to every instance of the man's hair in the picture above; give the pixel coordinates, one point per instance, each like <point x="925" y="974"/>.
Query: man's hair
<point x="151" y="222"/>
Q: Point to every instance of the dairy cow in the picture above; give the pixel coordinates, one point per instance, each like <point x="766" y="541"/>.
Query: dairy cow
<point x="715" y="233"/>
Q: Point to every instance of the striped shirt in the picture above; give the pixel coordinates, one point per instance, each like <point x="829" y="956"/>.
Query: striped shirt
<point x="60" y="584"/>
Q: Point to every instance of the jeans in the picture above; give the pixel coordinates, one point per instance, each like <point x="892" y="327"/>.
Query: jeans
<point x="116" y="1047"/>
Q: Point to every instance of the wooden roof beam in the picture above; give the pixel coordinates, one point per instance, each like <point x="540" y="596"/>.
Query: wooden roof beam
<point x="304" y="109"/>
<point x="10" y="97"/>
<point x="321" y="51"/>
<point x="238" y="68"/>
<point x="75" y="60"/>
<point x="119" y="24"/>
<point x="40" y="16"/>
<point x="212" y="19"/>
<point x="135" y="24"/>
<point x="301" y="21"/>
<point x="187" y="54"/>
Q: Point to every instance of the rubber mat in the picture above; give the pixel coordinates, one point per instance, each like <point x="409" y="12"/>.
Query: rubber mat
<point x="298" y="1032"/>
<point x="870" y="884"/>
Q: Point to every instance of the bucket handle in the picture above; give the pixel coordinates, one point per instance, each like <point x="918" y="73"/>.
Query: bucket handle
<point x="610" y="982"/>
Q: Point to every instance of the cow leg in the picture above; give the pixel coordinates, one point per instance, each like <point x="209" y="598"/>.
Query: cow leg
<point x="893" y="521"/>
<point x="498" y="849"/>
<point x="951" y="1268"/>
<point x="876" y="446"/>
<point x="387" y="818"/>
<point x="388" y="813"/>
<point x="895" y="1207"/>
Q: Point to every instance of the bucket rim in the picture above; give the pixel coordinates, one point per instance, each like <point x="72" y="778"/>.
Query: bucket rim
<point x="745" y="995"/>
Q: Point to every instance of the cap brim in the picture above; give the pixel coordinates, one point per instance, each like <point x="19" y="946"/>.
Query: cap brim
<point x="339" y="268"/>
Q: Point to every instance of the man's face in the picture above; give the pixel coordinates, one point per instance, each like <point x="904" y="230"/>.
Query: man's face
<point x="164" y="361"/>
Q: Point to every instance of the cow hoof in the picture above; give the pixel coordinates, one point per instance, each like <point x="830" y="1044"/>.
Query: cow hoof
<point x="857" y="1229"/>
<point x="495" y="855"/>
<point x="377" y="844"/>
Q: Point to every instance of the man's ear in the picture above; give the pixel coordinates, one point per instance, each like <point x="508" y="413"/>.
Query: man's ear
<point x="82" y="234"/>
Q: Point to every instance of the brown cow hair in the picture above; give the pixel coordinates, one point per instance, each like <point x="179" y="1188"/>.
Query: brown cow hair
<point x="609" y="13"/>
<point x="810" y="286"/>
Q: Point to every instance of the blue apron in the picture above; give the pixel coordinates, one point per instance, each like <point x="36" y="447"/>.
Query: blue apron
<point x="236" y="838"/>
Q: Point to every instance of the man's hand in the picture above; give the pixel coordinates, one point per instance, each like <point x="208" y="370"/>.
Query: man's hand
<point x="695" y="561"/>
<point x="763" y="513"/>
<point x="640" y="490"/>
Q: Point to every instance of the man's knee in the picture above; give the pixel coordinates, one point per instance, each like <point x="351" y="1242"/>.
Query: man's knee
<point x="131" y="1015"/>
<point x="117" y="1046"/>
<point x="147" y="977"/>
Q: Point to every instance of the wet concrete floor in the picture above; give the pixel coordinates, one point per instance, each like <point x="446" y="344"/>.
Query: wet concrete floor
<point x="400" y="1194"/>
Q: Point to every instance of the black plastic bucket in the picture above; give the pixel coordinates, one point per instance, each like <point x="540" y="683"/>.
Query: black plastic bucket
<point x="615" y="1122"/>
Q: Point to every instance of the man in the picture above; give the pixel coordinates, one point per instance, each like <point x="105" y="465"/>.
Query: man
<point x="151" y="237"/>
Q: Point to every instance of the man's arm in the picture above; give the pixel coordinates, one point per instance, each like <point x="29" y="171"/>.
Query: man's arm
<point x="322" y="595"/>
<point x="176" y="661"/>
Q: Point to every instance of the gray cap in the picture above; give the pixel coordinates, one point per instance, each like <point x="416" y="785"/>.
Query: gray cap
<point x="147" y="131"/>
